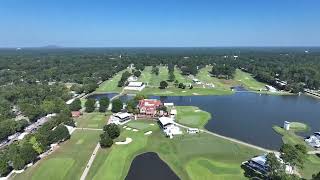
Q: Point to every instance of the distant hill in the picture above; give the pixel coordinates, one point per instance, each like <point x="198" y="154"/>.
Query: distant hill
<point x="51" y="47"/>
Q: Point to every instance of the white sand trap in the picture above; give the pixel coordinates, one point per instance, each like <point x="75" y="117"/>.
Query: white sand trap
<point x="184" y="91"/>
<point x="127" y="141"/>
<point x="195" y="94"/>
<point x="151" y="124"/>
<point x="128" y="128"/>
<point x="124" y="126"/>
<point x="197" y="110"/>
<point x="147" y="133"/>
<point x="135" y="130"/>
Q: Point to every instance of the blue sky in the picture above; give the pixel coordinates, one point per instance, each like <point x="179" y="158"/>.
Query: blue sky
<point x="159" y="23"/>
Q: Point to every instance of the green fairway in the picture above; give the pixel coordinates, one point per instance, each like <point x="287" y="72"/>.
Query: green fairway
<point x="246" y="80"/>
<point x="208" y="169"/>
<point x="152" y="79"/>
<point x="205" y="77"/>
<point x="312" y="163"/>
<point x="111" y="85"/>
<point x="142" y="124"/>
<point x="173" y="91"/>
<point x="192" y="116"/>
<point x="187" y="155"/>
<point x="180" y="77"/>
<point x="67" y="162"/>
<point x="55" y="168"/>
<point x="179" y="153"/>
<point x="93" y="120"/>
<point x="116" y="162"/>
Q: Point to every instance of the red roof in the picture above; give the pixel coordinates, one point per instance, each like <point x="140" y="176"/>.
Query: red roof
<point x="76" y="113"/>
<point x="149" y="103"/>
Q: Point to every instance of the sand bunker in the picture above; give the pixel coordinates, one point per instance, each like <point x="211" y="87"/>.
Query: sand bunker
<point x="151" y="124"/>
<point x="128" y="128"/>
<point x="135" y="130"/>
<point x="147" y="133"/>
<point x="195" y="94"/>
<point x="127" y="141"/>
<point x="197" y="110"/>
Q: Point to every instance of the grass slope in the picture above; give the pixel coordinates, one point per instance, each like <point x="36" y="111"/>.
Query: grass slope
<point x="67" y="162"/>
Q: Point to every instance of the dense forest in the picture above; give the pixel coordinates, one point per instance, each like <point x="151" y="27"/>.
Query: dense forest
<point x="38" y="82"/>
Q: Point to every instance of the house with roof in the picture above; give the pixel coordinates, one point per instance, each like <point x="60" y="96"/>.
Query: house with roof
<point x="76" y="113"/>
<point x="168" y="126"/>
<point x="135" y="86"/>
<point x="149" y="106"/>
<point x="120" y="118"/>
<point x="259" y="164"/>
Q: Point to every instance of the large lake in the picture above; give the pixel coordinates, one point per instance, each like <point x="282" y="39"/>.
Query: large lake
<point x="249" y="116"/>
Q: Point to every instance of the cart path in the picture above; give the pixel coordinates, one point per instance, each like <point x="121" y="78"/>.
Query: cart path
<point x="91" y="160"/>
<point x="230" y="139"/>
<point x="92" y="129"/>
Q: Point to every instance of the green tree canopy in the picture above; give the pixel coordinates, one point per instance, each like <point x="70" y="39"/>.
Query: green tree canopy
<point x="90" y="105"/>
<point x="116" y="105"/>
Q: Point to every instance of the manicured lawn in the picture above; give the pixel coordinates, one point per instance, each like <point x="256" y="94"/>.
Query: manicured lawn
<point x="312" y="163"/>
<point x="192" y="116"/>
<point x="181" y="152"/>
<point x="180" y="77"/>
<point x="188" y="155"/>
<point x="92" y="120"/>
<point x="248" y="81"/>
<point x="205" y="77"/>
<point x="68" y="161"/>
<point x="152" y="79"/>
<point x="116" y="162"/>
<point x="173" y="91"/>
<point x="209" y="169"/>
<point x="111" y="85"/>
<point x="54" y="169"/>
<point x="142" y="124"/>
<point x="146" y="75"/>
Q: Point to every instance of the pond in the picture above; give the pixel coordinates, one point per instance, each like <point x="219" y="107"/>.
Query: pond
<point x="150" y="166"/>
<point x="250" y="116"/>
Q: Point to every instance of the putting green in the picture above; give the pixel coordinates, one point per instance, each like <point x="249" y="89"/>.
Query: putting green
<point x="209" y="169"/>
<point x="192" y="116"/>
<point x="55" y="168"/>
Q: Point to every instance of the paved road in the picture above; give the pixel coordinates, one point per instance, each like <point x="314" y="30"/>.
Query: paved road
<point x="93" y="156"/>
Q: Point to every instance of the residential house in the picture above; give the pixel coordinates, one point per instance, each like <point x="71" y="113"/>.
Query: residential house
<point x="149" y="106"/>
